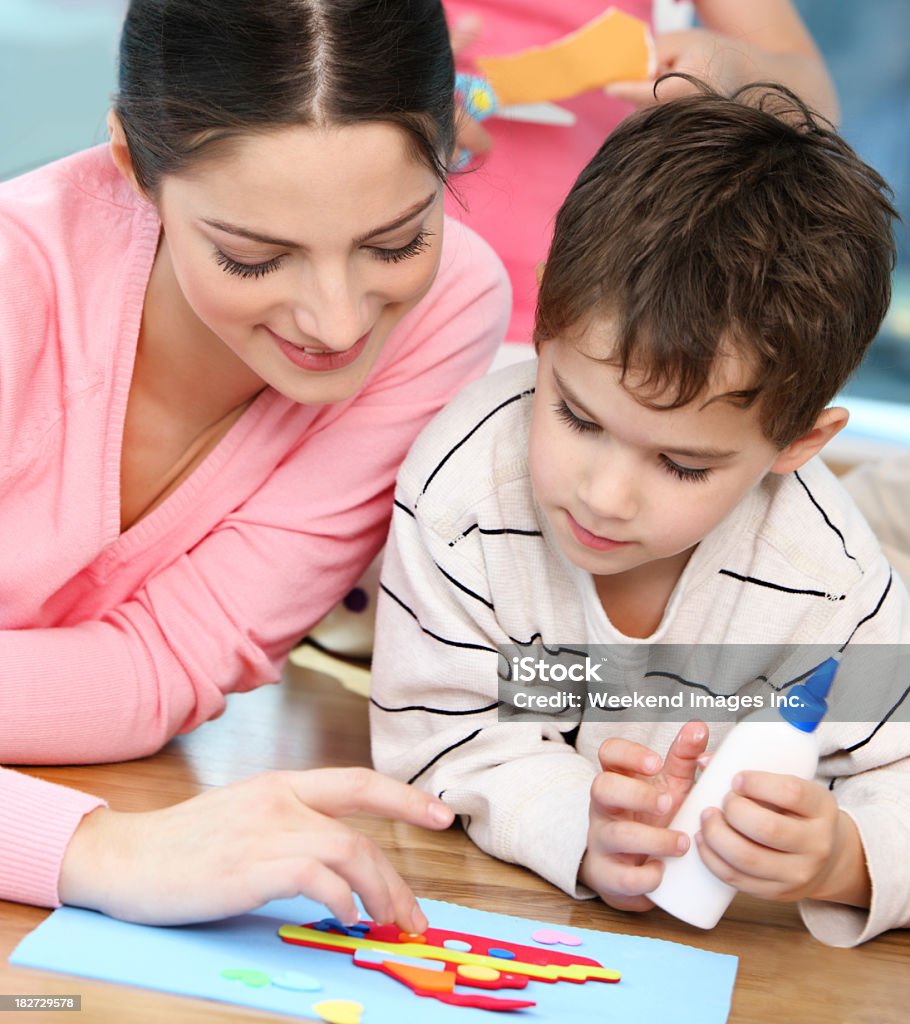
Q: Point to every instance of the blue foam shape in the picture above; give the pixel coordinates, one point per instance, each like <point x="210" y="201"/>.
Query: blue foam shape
<point x="661" y="980"/>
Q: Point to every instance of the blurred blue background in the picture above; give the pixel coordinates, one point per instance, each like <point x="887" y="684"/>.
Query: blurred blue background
<point x="57" y="72"/>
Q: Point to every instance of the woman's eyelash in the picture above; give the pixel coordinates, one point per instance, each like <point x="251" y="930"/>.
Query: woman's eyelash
<point x="417" y="245"/>
<point x="684" y="472"/>
<point x="238" y="269"/>
<point x="570" y="419"/>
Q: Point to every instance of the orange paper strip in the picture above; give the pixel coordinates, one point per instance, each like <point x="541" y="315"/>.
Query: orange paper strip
<point x="610" y="48"/>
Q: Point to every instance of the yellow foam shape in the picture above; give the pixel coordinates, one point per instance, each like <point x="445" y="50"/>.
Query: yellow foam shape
<point x="543" y="972"/>
<point x="351" y="677"/>
<point x="339" y="1011"/>
<point x="477" y="972"/>
<point x="611" y="48"/>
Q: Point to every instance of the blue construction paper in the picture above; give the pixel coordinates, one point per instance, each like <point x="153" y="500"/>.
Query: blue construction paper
<point x="661" y="981"/>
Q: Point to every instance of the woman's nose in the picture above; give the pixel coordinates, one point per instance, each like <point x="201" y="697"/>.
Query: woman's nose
<point x="329" y="309"/>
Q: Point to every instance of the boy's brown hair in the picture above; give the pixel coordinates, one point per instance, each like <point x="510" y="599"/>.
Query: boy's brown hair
<point x="709" y="223"/>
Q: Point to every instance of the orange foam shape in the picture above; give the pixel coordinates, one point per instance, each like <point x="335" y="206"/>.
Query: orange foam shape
<point x="611" y="48"/>
<point x="419" y="978"/>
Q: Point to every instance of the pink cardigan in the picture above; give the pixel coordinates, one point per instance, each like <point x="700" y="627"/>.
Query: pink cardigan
<point x="111" y="643"/>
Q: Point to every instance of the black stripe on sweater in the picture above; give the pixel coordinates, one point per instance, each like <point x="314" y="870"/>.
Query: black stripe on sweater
<point x="900" y="700"/>
<point x="824" y="516"/>
<point x="435" y="711"/>
<point x="429" y="633"/>
<point x="502" y="531"/>
<point x="874" y="611"/>
<point x="442" y="753"/>
<point x="464" y="589"/>
<point x="472" y="431"/>
<point x="779" y="586"/>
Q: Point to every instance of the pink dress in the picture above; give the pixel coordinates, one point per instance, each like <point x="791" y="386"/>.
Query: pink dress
<point x="512" y="197"/>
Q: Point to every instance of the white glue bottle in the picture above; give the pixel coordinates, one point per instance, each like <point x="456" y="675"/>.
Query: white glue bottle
<point x="779" y="739"/>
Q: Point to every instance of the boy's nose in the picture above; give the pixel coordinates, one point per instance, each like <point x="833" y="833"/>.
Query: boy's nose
<point x="610" y="492"/>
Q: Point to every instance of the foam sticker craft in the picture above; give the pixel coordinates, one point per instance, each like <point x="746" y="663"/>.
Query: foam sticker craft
<point x="610" y="48"/>
<point x="435" y="963"/>
<point x="660" y="980"/>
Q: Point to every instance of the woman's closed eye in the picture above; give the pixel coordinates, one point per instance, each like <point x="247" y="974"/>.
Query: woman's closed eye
<point x="231" y="266"/>
<point x="418" y="244"/>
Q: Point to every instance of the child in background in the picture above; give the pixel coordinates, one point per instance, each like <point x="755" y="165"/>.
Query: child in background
<point x="716" y="274"/>
<point x="511" y="194"/>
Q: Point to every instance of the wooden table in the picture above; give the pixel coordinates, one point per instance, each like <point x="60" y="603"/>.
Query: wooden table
<point x="784" y="976"/>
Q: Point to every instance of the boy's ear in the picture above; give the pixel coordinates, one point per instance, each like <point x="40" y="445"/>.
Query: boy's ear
<point x="830" y="422"/>
<point x="120" y="151"/>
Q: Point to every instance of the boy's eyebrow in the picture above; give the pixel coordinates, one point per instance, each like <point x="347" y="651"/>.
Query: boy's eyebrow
<point x="686" y="453"/>
<point x="284" y="243"/>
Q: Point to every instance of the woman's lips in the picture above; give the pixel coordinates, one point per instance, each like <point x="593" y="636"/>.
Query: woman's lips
<point x="319" y="359"/>
<point x="593" y="540"/>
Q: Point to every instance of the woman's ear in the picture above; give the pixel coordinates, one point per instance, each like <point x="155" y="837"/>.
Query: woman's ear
<point x="830" y="422"/>
<point x="120" y="151"/>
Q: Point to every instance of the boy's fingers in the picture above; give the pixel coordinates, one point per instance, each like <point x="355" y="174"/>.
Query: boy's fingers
<point x="340" y="791"/>
<point x="613" y="793"/>
<point x="782" y="792"/>
<point x="682" y="757"/>
<point x="626" y="837"/>
<point x="619" y="755"/>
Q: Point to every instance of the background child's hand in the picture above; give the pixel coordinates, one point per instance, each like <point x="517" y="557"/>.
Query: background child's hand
<point x="709" y="56"/>
<point x="782" y="838"/>
<point x="230" y="850"/>
<point x="632" y="802"/>
<point x="470" y="135"/>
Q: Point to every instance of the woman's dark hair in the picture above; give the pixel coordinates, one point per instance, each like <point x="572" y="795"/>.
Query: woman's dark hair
<point x="195" y="74"/>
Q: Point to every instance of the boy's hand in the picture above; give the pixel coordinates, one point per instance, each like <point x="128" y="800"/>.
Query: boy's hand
<point x="783" y="838"/>
<point x="632" y="802"/>
<point x="230" y="850"/>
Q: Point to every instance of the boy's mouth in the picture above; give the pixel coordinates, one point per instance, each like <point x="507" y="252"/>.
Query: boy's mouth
<point x="593" y="540"/>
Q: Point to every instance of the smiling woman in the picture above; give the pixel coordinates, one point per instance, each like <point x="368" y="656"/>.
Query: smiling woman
<point x="219" y="336"/>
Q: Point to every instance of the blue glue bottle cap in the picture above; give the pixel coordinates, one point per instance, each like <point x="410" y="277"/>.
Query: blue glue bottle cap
<point x="806" y="705"/>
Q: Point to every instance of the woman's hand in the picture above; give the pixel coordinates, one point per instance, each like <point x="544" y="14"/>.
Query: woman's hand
<point x="230" y="850"/>
<point x="632" y="802"/>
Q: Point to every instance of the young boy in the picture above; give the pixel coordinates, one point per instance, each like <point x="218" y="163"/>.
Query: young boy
<point x="716" y="274"/>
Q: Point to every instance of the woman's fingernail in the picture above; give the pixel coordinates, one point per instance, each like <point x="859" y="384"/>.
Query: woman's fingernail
<point x="663" y="802"/>
<point x="652" y="763"/>
<point x="419" y="921"/>
<point x="682" y="843"/>
<point x="441" y="814"/>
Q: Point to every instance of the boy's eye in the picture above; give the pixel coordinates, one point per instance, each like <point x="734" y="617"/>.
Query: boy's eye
<point x="575" y="422"/>
<point x="238" y="269"/>
<point x="418" y="244"/>
<point x="683" y="472"/>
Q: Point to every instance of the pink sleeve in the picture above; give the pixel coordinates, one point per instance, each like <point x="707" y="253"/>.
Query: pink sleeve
<point x="222" y="616"/>
<point x="37" y="820"/>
